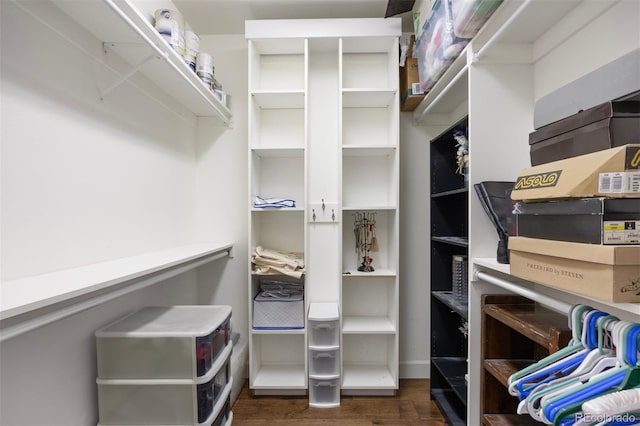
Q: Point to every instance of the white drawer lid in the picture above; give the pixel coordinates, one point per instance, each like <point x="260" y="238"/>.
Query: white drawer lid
<point x="323" y="311"/>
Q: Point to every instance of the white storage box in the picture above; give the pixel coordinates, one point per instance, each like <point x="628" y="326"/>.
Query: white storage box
<point x="176" y="342"/>
<point x="164" y="401"/>
<point x="324" y="393"/>
<point x="324" y="325"/>
<point x="324" y="361"/>
<point x="272" y="311"/>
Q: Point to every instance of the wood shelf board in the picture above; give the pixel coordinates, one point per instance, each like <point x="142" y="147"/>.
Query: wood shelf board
<point x="502" y="369"/>
<point x="492" y="264"/>
<point x="460" y="306"/>
<point x="533" y="321"/>
<point x="28" y="294"/>
<point x="508" y="420"/>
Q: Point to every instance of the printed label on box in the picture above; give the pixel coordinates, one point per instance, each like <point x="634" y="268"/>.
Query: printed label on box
<point x="416" y="89"/>
<point x="621" y="232"/>
<point x="619" y="183"/>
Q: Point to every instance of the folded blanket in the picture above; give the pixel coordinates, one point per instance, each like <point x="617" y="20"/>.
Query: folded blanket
<point x="267" y="261"/>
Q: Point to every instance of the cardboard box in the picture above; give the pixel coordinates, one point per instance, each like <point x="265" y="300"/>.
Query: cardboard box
<point x="411" y="94"/>
<point x="583" y="220"/>
<point x="609" y="273"/>
<point x="607" y="125"/>
<point x="613" y="173"/>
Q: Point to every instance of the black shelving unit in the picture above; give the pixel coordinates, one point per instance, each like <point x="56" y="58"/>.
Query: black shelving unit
<point x="449" y="237"/>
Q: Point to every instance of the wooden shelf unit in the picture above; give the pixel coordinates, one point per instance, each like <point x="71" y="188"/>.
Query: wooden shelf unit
<point x="516" y="332"/>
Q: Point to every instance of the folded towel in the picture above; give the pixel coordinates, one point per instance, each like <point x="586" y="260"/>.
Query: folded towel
<point x="277" y="203"/>
<point x="267" y="261"/>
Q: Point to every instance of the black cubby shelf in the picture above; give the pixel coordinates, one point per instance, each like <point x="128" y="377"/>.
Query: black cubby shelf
<point x="459" y="306"/>
<point x="456" y="241"/>
<point x="450" y="193"/>
<point x="454" y="369"/>
<point x="449" y="200"/>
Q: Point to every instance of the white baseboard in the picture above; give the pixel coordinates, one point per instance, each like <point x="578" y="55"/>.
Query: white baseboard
<point x="415" y="369"/>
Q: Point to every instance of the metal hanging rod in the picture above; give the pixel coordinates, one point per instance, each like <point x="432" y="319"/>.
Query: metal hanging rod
<point x="552" y="303"/>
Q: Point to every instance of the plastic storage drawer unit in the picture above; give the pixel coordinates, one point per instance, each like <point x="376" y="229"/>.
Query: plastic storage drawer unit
<point x="324" y="361"/>
<point x="324" y="393"/>
<point x="161" y="402"/>
<point x="176" y="342"/>
<point x="324" y="325"/>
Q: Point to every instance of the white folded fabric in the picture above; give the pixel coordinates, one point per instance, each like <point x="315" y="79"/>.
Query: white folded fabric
<point x="268" y="261"/>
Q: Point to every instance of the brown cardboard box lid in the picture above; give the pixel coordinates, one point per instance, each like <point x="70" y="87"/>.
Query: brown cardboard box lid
<point x="593" y="253"/>
<point x="576" y="177"/>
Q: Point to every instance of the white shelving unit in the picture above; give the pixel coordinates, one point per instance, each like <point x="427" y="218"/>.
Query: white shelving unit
<point x="324" y="129"/>
<point x="118" y="277"/>
<point x="527" y="49"/>
<point x="127" y="31"/>
<point x="277" y="168"/>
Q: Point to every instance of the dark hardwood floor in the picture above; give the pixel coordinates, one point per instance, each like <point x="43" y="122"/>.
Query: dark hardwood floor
<point x="410" y="407"/>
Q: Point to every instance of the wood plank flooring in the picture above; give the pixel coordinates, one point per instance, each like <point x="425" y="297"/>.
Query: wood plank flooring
<point x="410" y="407"/>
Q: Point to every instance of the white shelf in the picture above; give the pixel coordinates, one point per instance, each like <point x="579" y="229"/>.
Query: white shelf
<point x="367" y="151"/>
<point x="492" y="263"/>
<point x="538" y="25"/>
<point x="367" y="98"/>
<point x="282" y="152"/>
<point x="357" y="376"/>
<point x="368" y="207"/>
<point x="292" y="331"/>
<point x="286" y="99"/>
<point x="377" y="273"/>
<point x="134" y="42"/>
<point x="367" y="325"/>
<point x="280" y="376"/>
<point x="275" y="209"/>
<point x="31" y="293"/>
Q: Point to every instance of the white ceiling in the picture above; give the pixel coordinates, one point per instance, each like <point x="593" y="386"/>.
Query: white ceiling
<point x="228" y="16"/>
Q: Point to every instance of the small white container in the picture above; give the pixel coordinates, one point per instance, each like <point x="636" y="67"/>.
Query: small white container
<point x="324" y="362"/>
<point x="204" y="65"/>
<point x="170" y="24"/>
<point x="324" y="393"/>
<point x="324" y="325"/>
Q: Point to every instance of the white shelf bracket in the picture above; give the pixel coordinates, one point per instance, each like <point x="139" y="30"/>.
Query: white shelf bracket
<point x="126" y="76"/>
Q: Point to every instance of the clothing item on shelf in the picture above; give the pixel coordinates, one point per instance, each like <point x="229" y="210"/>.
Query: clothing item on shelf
<point x="264" y="203"/>
<point x="268" y="261"/>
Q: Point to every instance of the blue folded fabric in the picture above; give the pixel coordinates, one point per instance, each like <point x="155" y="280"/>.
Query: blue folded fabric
<point x="267" y="203"/>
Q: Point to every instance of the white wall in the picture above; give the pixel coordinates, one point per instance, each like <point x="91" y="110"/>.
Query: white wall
<point x="222" y="209"/>
<point x="415" y="176"/>
<point x="82" y="181"/>
<point x="610" y="36"/>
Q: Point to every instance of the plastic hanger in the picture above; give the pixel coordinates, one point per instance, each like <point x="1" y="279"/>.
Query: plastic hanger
<point x="625" y="377"/>
<point x="598" y="359"/>
<point x="557" y="361"/>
